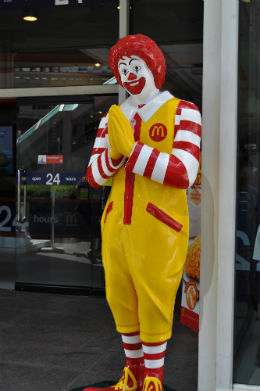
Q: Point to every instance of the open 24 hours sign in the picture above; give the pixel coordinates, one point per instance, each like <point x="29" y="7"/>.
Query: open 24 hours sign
<point x="55" y="179"/>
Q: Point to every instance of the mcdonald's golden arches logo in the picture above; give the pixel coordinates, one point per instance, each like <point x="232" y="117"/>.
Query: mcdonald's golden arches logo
<point x="158" y="132"/>
<point x="72" y="219"/>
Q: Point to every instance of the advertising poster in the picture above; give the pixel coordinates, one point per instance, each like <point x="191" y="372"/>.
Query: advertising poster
<point x="191" y="274"/>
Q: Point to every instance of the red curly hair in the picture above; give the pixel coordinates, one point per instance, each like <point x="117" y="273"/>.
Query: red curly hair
<point x="143" y="47"/>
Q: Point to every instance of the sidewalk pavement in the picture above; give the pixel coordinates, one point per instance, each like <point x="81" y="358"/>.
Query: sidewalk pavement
<point x="54" y="342"/>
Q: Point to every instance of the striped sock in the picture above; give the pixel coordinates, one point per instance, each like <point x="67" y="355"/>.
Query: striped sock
<point x="154" y="354"/>
<point x="134" y="357"/>
<point x="133" y="348"/>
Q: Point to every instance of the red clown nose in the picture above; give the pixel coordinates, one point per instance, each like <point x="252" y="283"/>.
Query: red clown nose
<point x="131" y="76"/>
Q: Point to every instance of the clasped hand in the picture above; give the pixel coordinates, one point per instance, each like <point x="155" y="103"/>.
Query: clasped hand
<point x="120" y="133"/>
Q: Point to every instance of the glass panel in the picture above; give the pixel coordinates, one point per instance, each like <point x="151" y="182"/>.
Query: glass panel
<point x="7" y="193"/>
<point x="59" y="229"/>
<point x="67" y="45"/>
<point x="247" y="295"/>
<point x="180" y="40"/>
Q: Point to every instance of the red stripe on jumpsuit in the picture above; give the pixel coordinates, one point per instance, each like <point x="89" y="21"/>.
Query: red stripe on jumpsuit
<point x="130" y="178"/>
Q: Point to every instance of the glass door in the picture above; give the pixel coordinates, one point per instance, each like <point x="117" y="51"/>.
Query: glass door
<point x="58" y="213"/>
<point x="247" y="267"/>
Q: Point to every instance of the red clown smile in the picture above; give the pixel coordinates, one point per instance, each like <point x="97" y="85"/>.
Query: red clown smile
<point x="134" y="87"/>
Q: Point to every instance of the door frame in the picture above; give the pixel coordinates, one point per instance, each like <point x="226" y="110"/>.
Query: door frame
<point x="8" y="93"/>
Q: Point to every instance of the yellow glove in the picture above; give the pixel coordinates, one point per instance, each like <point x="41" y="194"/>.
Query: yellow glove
<point x="120" y="133"/>
<point x="113" y="147"/>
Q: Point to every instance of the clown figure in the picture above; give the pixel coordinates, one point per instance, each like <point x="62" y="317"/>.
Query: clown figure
<point x="151" y="146"/>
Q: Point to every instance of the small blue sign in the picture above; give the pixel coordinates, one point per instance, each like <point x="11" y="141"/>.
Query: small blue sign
<point x="55" y="179"/>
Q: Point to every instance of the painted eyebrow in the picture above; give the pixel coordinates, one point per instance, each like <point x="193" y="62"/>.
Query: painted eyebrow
<point x="132" y="59"/>
<point x="122" y="63"/>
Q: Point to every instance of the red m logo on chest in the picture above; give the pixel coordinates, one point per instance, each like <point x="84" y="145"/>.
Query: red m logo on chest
<point x="158" y="132"/>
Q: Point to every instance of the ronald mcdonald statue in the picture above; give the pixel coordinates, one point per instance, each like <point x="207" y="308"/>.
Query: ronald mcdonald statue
<point x="150" y="145"/>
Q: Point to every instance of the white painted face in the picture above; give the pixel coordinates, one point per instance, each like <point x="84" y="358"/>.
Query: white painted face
<point x="136" y="77"/>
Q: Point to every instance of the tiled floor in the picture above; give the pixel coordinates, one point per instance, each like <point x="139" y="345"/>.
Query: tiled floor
<point x="53" y="342"/>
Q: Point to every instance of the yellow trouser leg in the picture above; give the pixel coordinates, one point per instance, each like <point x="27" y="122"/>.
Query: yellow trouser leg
<point x="120" y="291"/>
<point x="156" y="267"/>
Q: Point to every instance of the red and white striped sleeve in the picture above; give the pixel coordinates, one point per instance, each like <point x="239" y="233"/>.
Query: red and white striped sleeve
<point x="101" y="166"/>
<point x="178" y="169"/>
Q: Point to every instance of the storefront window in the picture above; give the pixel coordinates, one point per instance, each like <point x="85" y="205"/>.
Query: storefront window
<point x="177" y="26"/>
<point x="67" y="44"/>
<point x="58" y="238"/>
<point x="247" y="273"/>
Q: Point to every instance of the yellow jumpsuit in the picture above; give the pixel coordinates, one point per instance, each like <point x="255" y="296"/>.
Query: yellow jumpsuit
<point x="144" y="260"/>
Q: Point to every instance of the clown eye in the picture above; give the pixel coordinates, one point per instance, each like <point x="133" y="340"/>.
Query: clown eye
<point x="137" y="68"/>
<point x="124" y="71"/>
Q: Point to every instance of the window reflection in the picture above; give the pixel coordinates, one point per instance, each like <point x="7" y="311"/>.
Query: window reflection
<point x="180" y="39"/>
<point x="62" y="239"/>
<point x="247" y="294"/>
<point x="67" y="46"/>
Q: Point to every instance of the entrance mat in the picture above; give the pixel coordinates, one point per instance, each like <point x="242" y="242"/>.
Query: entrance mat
<point x="111" y="383"/>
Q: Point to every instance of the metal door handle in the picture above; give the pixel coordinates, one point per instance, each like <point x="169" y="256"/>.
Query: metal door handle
<point x="21" y="219"/>
<point x="19" y="196"/>
<point x="24" y="203"/>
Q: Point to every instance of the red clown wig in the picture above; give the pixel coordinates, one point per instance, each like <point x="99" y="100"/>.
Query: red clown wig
<point x="143" y="47"/>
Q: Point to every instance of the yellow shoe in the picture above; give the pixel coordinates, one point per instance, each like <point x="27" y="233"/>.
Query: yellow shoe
<point x="128" y="382"/>
<point x="152" y="384"/>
